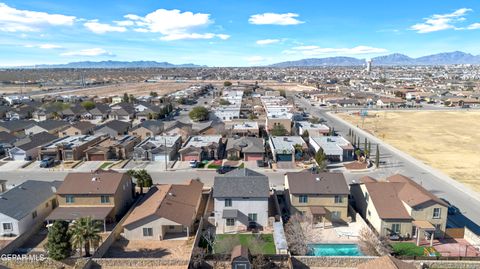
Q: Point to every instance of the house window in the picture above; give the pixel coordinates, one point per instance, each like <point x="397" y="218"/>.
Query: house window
<point x="369" y="214"/>
<point x="252" y="217"/>
<point x="336" y="214"/>
<point x="338" y="199"/>
<point x="34" y="214"/>
<point x="436" y="213"/>
<point x="105" y="199"/>
<point x="7" y="226"/>
<point x="230" y="222"/>
<point x="303" y="199"/>
<point x="147" y="231"/>
<point x="395" y="228"/>
<point x="228" y="202"/>
<point x="69" y="199"/>
<point x="171" y="227"/>
<point x="366" y="196"/>
<point x="46" y="205"/>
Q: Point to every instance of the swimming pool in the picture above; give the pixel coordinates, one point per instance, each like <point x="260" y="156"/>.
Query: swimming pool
<point x="335" y="250"/>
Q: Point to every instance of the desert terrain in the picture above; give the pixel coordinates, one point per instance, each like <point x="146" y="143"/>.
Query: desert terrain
<point x="446" y="140"/>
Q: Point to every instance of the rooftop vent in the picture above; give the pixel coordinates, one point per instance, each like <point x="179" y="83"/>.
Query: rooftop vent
<point x="94" y="179"/>
<point x="317" y="179"/>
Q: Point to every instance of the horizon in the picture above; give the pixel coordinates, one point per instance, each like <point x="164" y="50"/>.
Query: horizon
<point x="244" y="33"/>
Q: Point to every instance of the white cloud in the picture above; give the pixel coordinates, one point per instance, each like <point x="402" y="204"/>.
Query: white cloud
<point x="474" y="26"/>
<point x="174" y="24"/>
<point x="275" y="19"/>
<point x="43" y="46"/>
<point x="439" y="22"/>
<point x="255" y="60"/>
<point x="16" y="20"/>
<point x="316" y="50"/>
<point x="267" y="41"/>
<point x="88" y="52"/>
<point x="102" y="28"/>
<point x="124" y="23"/>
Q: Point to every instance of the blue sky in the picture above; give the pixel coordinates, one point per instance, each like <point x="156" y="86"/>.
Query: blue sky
<point x="231" y="33"/>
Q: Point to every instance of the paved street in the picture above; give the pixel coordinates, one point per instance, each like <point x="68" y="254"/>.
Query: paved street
<point x="398" y="162"/>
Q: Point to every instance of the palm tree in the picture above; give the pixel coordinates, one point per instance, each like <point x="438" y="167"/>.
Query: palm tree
<point x="84" y="233"/>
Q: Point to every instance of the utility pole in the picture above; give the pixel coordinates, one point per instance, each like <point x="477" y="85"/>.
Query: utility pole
<point x="166" y="163"/>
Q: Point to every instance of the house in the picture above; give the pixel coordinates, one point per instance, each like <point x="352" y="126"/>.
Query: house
<point x="7" y="140"/>
<point x="147" y="129"/>
<point x="118" y="148"/>
<point x="15" y="127"/>
<point x="113" y="128"/>
<point x="399" y="206"/>
<point x="28" y="147"/>
<point x="323" y="196"/>
<point x="275" y="120"/>
<point x="313" y="129"/>
<point x="70" y="148"/>
<point x="26" y="205"/>
<point x="336" y="148"/>
<point x="79" y="128"/>
<point x="283" y="147"/>
<point x="389" y="102"/>
<point x="102" y="195"/>
<point x="199" y="148"/>
<point x="240" y="201"/>
<point x="178" y="127"/>
<point x="73" y="112"/>
<point x="158" y="148"/>
<point x="50" y="126"/>
<point x="240" y="257"/>
<point x="122" y="111"/>
<point x="100" y="112"/>
<point x="247" y="128"/>
<point x="166" y="210"/>
<point x="245" y="148"/>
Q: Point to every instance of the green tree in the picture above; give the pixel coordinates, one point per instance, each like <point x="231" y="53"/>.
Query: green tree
<point x="283" y="93"/>
<point x="305" y="135"/>
<point x="227" y="83"/>
<point x="132" y="98"/>
<point x="153" y="94"/>
<point x="321" y="160"/>
<point x="314" y="120"/>
<point x="88" y="105"/>
<point x="143" y="178"/>
<point x="125" y="98"/>
<point x="85" y="233"/>
<point x="199" y="113"/>
<point x="377" y="157"/>
<point x="278" y="130"/>
<point x="58" y="244"/>
<point x="252" y="116"/>
<point x="224" y="102"/>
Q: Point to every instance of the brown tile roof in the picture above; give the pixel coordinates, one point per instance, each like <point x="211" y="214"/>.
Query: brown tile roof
<point x="99" y="182"/>
<point x="307" y="183"/>
<point x="386" y="262"/>
<point x="175" y="202"/>
<point x="73" y="213"/>
<point x="83" y="125"/>
<point x="413" y="193"/>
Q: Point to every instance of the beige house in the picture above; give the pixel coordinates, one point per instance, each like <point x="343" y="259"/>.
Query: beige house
<point x="400" y="207"/>
<point x="166" y="210"/>
<point x="79" y="128"/>
<point x="102" y="195"/>
<point x="323" y="196"/>
<point x="271" y="122"/>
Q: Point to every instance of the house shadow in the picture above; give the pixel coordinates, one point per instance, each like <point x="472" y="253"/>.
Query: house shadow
<point x="119" y="250"/>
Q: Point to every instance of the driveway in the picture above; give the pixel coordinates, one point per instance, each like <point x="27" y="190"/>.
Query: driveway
<point x="89" y="166"/>
<point x="12" y="165"/>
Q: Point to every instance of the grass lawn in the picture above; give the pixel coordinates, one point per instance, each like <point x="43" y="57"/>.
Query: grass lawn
<point x="265" y="244"/>
<point x="242" y="166"/>
<point x="408" y="249"/>
<point x="213" y="166"/>
<point x="105" y="165"/>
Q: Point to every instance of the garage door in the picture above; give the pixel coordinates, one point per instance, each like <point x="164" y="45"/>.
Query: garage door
<point x="96" y="157"/>
<point x="190" y="158"/>
<point x="253" y="157"/>
<point x="284" y="157"/>
<point x="159" y="157"/>
<point x="18" y="157"/>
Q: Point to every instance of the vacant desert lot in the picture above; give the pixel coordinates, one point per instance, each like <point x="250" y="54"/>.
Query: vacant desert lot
<point x="446" y="140"/>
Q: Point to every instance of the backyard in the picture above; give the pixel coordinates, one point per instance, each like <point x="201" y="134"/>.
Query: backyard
<point x="256" y="243"/>
<point x="410" y="249"/>
<point x="445" y="140"/>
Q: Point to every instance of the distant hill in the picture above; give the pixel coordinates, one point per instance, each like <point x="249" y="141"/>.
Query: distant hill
<point x="116" y="64"/>
<point x="456" y="57"/>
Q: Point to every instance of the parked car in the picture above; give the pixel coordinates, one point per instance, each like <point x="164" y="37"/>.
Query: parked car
<point x="194" y="164"/>
<point x="47" y="162"/>
<point x="225" y="169"/>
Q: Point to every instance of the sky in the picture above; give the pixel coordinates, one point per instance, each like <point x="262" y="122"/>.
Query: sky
<point x="232" y="33"/>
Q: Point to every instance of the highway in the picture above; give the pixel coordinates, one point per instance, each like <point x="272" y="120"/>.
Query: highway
<point x="396" y="161"/>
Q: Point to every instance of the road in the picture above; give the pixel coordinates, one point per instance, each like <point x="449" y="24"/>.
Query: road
<point x="396" y="161"/>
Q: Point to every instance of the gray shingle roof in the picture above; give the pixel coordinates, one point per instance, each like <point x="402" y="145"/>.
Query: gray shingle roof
<point x="35" y="140"/>
<point x="23" y="199"/>
<point x="322" y="183"/>
<point x="241" y="183"/>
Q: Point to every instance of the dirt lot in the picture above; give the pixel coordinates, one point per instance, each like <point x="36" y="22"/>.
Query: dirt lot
<point x="166" y="249"/>
<point x="445" y="140"/>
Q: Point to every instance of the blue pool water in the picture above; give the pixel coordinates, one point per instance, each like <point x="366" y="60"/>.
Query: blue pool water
<point x="335" y="250"/>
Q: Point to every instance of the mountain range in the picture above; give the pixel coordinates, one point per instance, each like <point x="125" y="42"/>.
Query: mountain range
<point x="446" y="58"/>
<point x="117" y="64"/>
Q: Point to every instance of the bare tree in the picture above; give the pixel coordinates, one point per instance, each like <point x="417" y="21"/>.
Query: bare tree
<point x="300" y="232"/>
<point x="226" y="245"/>
<point x="372" y="245"/>
<point x="198" y="257"/>
<point x="209" y="236"/>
